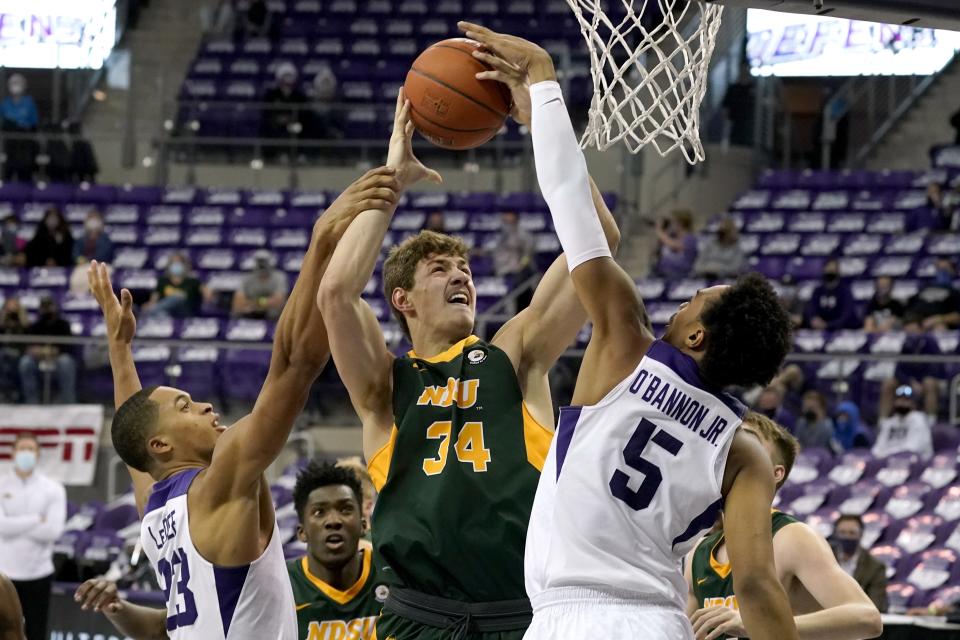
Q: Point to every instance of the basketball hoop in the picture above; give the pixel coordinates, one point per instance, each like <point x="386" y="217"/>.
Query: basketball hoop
<point x="648" y="79"/>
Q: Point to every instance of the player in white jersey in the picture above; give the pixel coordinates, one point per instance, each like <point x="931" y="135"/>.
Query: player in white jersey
<point x="642" y="466"/>
<point x="209" y="527"/>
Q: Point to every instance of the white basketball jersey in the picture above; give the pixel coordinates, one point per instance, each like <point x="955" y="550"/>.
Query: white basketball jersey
<point x="631" y="482"/>
<point x="250" y="602"/>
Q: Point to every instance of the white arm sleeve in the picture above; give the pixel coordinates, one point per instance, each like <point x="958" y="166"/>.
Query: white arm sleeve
<point x="562" y="174"/>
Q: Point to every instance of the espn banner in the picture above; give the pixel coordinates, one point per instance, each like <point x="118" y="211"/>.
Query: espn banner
<point x="69" y="435"/>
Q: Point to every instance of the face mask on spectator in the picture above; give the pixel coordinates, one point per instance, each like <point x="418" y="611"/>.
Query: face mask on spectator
<point x="177" y="269"/>
<point x="830" y="277"/>
<point x="25" y="460"/>
<point x="902" y="410"/>
<point x="810" y="415"/>
<point x="944" y="277"/>
<point x="848" y="545"/>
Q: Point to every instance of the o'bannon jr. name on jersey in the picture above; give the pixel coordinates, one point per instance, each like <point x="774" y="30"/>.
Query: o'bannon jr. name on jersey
<point x="463" y="393"/>
<point x="676" y="404"/>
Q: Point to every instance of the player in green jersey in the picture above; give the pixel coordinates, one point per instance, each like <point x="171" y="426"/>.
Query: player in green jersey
<point x="336" y="587"/>
<point x="827" y="603"/>
<point x="455" y="432"/>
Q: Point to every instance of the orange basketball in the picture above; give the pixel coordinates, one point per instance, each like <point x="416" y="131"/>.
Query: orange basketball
<point x="448" y="105"/>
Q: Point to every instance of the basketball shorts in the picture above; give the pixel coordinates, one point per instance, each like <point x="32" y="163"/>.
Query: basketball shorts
<point x="574" y="612"/>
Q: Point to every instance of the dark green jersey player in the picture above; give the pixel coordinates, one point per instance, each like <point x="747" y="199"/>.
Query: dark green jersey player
<point x="712" y="580"/>
<point x="336" y="587"/>
<point x="451" y="432"/>
<point x="825" y="600"/>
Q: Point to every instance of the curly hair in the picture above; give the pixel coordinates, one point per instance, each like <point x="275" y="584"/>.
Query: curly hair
<point x="748" y="334"/>
<point x="401" y="263"/>
<point x="133" y="423"/>
<point x="322" y="474"/>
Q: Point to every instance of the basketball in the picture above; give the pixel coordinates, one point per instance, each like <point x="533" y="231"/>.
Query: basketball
<point x="448" y="105"/>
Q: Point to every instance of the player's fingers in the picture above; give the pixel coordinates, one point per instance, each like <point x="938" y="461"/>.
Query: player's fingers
<point x="706" y="622"/>
<point x="434" y="177"/>
<point x="401" y="99"/>
<point x="106" y="596"/>
<point x="93" y="592"/>
<point x="126" y="300"/>
<point x="371" y="204"/>
<point x="408" y="132"/>
<point x="496" y="62"/>
<point x="721" y="629"/>
<point x="82" y="590"/>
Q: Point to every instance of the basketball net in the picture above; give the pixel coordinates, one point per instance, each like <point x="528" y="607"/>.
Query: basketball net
<point x="648" y="79"/>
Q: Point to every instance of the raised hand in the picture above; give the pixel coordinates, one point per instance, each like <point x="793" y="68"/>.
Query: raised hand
<point x="98" y="595"/>
<point x="376" y="189"/>
<point x="118" y="313"/>
<point x="400" y="156"/>
<point x="515" y="78"/>
<point x="525" y="56"/>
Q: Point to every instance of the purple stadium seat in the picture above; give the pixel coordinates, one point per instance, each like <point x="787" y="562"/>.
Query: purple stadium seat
<point x="814" y="496"/>
<point x="875" y="526"/>
<point x="102" y="546"/>
<point x="822" y="520"/>
<point x="851" y="467"/>
<point x="282" y="496"/>
<point x="907" y="499"/>
<point x="941" y="470"/>
<point x="919" y="533"/>
<point x="947" y="504"/>
<point x="933" y="570"/>
<point x="890" y="556"/>
<point x="901" y="596"/>
<point x="117" y="518"/>
<point x="864" y="495"/>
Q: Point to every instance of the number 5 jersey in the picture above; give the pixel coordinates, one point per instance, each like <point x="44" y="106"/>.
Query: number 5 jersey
<point x="248" y="602"/>
<point x="630" y="483"/>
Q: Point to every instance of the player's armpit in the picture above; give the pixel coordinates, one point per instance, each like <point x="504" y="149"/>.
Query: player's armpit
<point x="620" y="328"/>
<point x="848" y="614"/>
<point x="748" y="493"/>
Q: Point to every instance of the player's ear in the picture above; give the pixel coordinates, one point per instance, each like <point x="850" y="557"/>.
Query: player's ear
<point x="159" y="446"/>
<point x="779" y="473"/>
<point x="301" y="534"/>
<point x="400" y="299"/>
<point x="363" y="526"/>
<point x="696" y="337"/>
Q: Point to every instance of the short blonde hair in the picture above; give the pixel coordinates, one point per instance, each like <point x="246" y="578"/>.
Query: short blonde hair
<point x="786" y="446"/>
<point x="401" y="263"/>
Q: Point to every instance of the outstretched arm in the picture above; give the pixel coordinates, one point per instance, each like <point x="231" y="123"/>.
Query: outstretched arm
<point x="121" y="327"/>
<point x="356" y="340"/>
<point x="539" y="334"/>
<point x="300" y="347"/>
<point x="11" y="614"/>
<point x="141" y="623"/>
<point x="620" y="333"/>
<point x="748" y="492"/>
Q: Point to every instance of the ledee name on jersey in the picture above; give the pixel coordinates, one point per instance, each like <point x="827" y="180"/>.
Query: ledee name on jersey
<point x="674" y="403"/>
<point x="166" y="532"/>
<point x="356" y="629"/>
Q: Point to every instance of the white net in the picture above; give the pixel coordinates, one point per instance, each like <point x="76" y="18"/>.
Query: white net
<point x="649" y="61"/>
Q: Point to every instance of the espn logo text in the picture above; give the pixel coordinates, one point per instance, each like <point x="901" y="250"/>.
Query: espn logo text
<point x="70" y="444"/>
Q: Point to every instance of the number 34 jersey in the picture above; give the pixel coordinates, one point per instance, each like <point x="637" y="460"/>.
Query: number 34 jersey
<point x="631" y="482"/>
<point x="249" y="602"/>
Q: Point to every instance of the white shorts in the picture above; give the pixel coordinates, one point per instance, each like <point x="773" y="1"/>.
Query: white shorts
<point x="576" y="613"/>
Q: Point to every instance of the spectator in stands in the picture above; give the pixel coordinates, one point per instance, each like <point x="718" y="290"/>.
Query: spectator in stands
<point x="831" y="306"/>
<point x="514" y="257"/>
<point x="13" y="323"/>
<point x="436" y="222"/>
<point x="32" y="517"/>
<point x="870" y="573"/>
<point x="58" y="357"/>
<point x="286" y="104"/>
<point x="884" y="312"/>
<point x="847" y="429"/>
<point x="263" y="291"/>
<point x="325" y="120"/>
<point x="20" y="116"/>
<point x="678" y="245"/>
<point x="921" y="376"/>
<point x="814" y="427"/>
<point x="791" y="301"/>
<point x="95" y="243"/>
<point x="179" y="293"/>
<point x="721" y="257"/>
<point x="908" y="429"/>
<point x="770" y="404"/>
<point x="11" y="244"/>
<point x="938" y="304"/>
<point x="942" y="211"/>
<point x="52" y="244"/>
<point x="256" y="19"/>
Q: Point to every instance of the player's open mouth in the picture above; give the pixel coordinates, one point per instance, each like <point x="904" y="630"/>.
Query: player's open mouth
<point x="334" y="542"/>
<point x="216" y="424"/>
<point x="459" y="298"/>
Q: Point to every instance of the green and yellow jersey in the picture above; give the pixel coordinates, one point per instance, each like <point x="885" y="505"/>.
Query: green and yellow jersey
<point x="458" y="475"/>
<point x="324" y="612"/>
<point x="713" y="580"/>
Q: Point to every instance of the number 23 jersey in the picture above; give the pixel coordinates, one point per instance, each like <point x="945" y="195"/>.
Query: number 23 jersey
<point x="248" y="602"/>
<point x="630" y="483"/>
